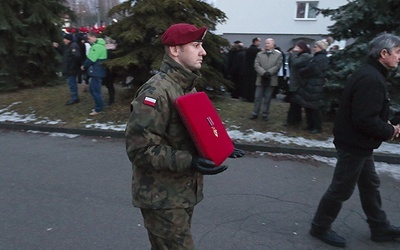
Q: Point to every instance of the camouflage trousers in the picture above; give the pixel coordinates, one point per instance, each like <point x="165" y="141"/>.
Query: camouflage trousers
<point x="169" y="229"/>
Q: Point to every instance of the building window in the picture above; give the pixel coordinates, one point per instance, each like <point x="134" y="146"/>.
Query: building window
<point x="306" y="10"/>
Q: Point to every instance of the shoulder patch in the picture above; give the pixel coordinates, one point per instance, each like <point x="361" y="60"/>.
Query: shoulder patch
<point x="150" y="101"/>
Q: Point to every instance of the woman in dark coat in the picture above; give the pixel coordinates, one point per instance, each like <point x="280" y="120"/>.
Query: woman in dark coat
<point x="311" y="92"/>
<point x="299" y="58"/>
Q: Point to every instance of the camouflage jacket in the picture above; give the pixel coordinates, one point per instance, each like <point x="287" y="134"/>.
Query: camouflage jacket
<point x="158" y="144"/>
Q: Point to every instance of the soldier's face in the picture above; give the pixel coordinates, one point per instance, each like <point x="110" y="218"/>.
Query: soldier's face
<point x="191" y="55"/>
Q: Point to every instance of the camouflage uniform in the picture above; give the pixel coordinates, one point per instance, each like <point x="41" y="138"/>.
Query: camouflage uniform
<point x="161" y="150"/>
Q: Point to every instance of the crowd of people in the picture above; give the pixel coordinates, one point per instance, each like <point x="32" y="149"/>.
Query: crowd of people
<point x="83" y="57"/>
<point x="258" y="74"/>
<point x="308" y="76"/>
<point x="168" y="172"/>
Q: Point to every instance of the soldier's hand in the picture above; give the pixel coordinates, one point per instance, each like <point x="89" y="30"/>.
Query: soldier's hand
<point x="237" y="153"/>
<point x="206" y="167"/>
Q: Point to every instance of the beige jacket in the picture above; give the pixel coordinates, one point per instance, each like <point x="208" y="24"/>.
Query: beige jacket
<point x="271" y="63"/>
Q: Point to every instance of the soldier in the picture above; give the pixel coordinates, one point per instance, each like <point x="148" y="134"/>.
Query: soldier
<point x="167" y="172"/>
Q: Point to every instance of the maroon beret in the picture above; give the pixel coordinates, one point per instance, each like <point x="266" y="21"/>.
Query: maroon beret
<point x="182" y="33"/>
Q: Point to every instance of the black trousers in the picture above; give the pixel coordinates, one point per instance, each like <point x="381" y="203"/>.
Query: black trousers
<point x="108" y="81"/>
<point x="352" y="170"/>
<point x="294" y="114"/>
<point x="313" y="117"/>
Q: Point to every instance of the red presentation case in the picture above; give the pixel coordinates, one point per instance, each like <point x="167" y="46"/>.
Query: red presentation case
<point x="205" y="127"/>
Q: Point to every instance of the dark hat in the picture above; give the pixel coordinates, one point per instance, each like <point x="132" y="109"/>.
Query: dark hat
<point x="68" y="36"/>
<point x="81" y="36"/>
<point x="182" y="33"/>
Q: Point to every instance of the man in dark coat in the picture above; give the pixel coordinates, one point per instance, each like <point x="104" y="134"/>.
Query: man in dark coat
<point x="71" y="62"/>
<point x="360" y="126"/>
<point x="109" y="79"/>
<point x="249" y="83"/>
<point x="236" y="68"/>
<point x="81" y="39"/>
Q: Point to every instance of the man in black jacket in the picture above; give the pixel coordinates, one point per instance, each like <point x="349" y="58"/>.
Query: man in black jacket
<point x="71" y="62"/>
<point x="361" y="124"/>
<point x="249" y="83"/>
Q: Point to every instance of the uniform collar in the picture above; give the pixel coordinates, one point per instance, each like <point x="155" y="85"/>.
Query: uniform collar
<point x="186" y="78"/>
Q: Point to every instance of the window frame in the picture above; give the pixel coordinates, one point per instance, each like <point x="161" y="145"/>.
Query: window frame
<point x="306" y="10"/>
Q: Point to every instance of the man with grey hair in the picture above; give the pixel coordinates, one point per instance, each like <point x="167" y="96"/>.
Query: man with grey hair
<point x="361" y="125"/>
<point x="267" y="65"/>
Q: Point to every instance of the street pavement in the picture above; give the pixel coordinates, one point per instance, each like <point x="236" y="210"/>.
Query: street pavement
<point x="74" y="193"/>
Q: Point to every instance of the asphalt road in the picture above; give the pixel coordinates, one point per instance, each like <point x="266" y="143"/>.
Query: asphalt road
<point x="63" y="193"/>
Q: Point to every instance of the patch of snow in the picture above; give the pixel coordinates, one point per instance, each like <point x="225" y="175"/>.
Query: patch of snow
<point x="251" y="136"/>
<point x="71" y="136"/>
<point x="107" y="126"/>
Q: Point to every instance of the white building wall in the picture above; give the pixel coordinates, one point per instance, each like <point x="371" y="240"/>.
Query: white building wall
<point x="271" y="16"/>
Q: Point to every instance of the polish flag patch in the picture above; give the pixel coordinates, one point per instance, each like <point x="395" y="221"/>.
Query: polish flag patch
<point x="149" y="101"/>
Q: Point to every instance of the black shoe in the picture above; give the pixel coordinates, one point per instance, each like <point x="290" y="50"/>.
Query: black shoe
<point x="70" y="102"/>
<point x="307" y="129"/>
<point x="265" y="118"/>
<point x="253" y="117"/>
<point x="388" y="234"/>
<point x="328" y="236"/>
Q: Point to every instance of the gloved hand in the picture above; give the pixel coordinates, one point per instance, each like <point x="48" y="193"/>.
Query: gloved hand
<point x="266" y="75"/>
<point x="206" y="167"/>
<point x="237" y="153"/>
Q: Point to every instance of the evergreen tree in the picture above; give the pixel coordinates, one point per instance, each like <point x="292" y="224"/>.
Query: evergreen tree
<point x="138" y="35"/>
<point x="27" y="30"/>
<point x="360" y="21"/>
